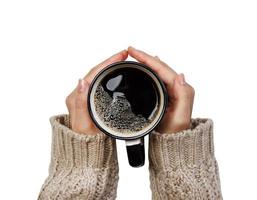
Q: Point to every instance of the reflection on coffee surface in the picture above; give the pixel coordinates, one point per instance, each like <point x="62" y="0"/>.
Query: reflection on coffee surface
<point x="127" y="100"/>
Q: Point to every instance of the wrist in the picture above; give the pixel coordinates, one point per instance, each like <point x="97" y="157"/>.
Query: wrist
<point x="78" y="150"/>
<point x="185" y="148"/>
<point x="174" y="127"/>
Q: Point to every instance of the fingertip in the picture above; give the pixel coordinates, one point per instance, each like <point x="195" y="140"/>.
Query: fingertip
<point x="137" y="54"/>
<point x="81" y="85"/>
<point x="177" y="88"/>
<point x="124" y="54"/>
<point x="120" y="56"/>
<point x="181" y="79"/>
<point x="131" y="48"/>
<point x="182" y="89"/>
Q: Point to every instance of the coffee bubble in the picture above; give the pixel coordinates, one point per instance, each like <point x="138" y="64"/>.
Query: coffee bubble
<point x="116" y="112"/>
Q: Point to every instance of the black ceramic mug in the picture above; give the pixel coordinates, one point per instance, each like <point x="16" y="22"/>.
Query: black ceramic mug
<point x="126" y="101"/>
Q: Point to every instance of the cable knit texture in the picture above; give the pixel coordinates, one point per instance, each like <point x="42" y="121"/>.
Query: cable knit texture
<point x="82" y="166"/>
<point x="183" y="166"/>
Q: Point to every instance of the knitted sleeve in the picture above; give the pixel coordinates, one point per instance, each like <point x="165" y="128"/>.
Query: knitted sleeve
<point x="82" y="166"/>
<point x="182" y="165"/>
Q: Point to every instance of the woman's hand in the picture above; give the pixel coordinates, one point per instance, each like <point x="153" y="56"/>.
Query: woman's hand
<point x="181" y="94"/>
<point x="77" y="101"/>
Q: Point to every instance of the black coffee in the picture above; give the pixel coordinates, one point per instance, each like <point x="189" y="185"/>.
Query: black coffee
<point x="127" y="100"/>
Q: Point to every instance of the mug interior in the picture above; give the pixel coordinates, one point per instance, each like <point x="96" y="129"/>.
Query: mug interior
<point x="130" y="135"/>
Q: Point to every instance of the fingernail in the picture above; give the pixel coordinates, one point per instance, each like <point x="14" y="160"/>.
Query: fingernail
<point x="157" y="57"/>
<point x="182" y="79"/>
<point x="81" y="85"/>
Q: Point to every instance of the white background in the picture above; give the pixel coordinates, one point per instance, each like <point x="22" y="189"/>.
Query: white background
<point x="46" y="46"/>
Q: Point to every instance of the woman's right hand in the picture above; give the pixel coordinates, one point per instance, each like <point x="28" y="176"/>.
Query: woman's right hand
<point x="76" y="102"/>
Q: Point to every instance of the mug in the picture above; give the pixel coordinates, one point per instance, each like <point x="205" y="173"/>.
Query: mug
<point x="126" y="101"/>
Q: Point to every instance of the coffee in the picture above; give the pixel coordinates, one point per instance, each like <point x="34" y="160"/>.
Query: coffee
<point x="127" y="100"/>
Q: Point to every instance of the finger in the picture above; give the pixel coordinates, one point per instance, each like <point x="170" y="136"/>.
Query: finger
<point x="89" y="77"/>
<point x="157" y="58"/>
<point x="81" y="119"/>
<point x="184" y="97"/>
<point x="121" y="56"/>
<point x="163" y="70"/>
<point x="69" y="104"/>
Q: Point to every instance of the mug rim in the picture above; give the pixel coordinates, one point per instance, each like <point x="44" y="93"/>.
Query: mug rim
<point x="165" y="100"/>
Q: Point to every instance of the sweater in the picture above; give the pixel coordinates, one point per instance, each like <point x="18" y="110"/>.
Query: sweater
<point x="85" y="167"/>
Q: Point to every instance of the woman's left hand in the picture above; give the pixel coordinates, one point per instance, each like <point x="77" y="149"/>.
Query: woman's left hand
<point x="181" y="94"/>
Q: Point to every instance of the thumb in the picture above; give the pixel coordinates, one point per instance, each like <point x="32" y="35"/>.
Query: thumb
<point x="183" y="104"/>
<point x="82" y="122"/>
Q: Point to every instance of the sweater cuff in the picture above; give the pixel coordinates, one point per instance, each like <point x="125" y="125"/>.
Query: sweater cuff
<point x="71" y="149"/>
<point x="188" y="148"/>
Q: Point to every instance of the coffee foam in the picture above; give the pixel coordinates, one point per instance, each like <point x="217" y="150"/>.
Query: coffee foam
<point x="116" y="113"/>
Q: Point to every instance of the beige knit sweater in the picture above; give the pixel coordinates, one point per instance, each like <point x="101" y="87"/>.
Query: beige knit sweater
<point x="85" y="167"/>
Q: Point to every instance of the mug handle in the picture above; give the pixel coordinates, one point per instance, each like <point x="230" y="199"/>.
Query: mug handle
<point x="136" y="152"/>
